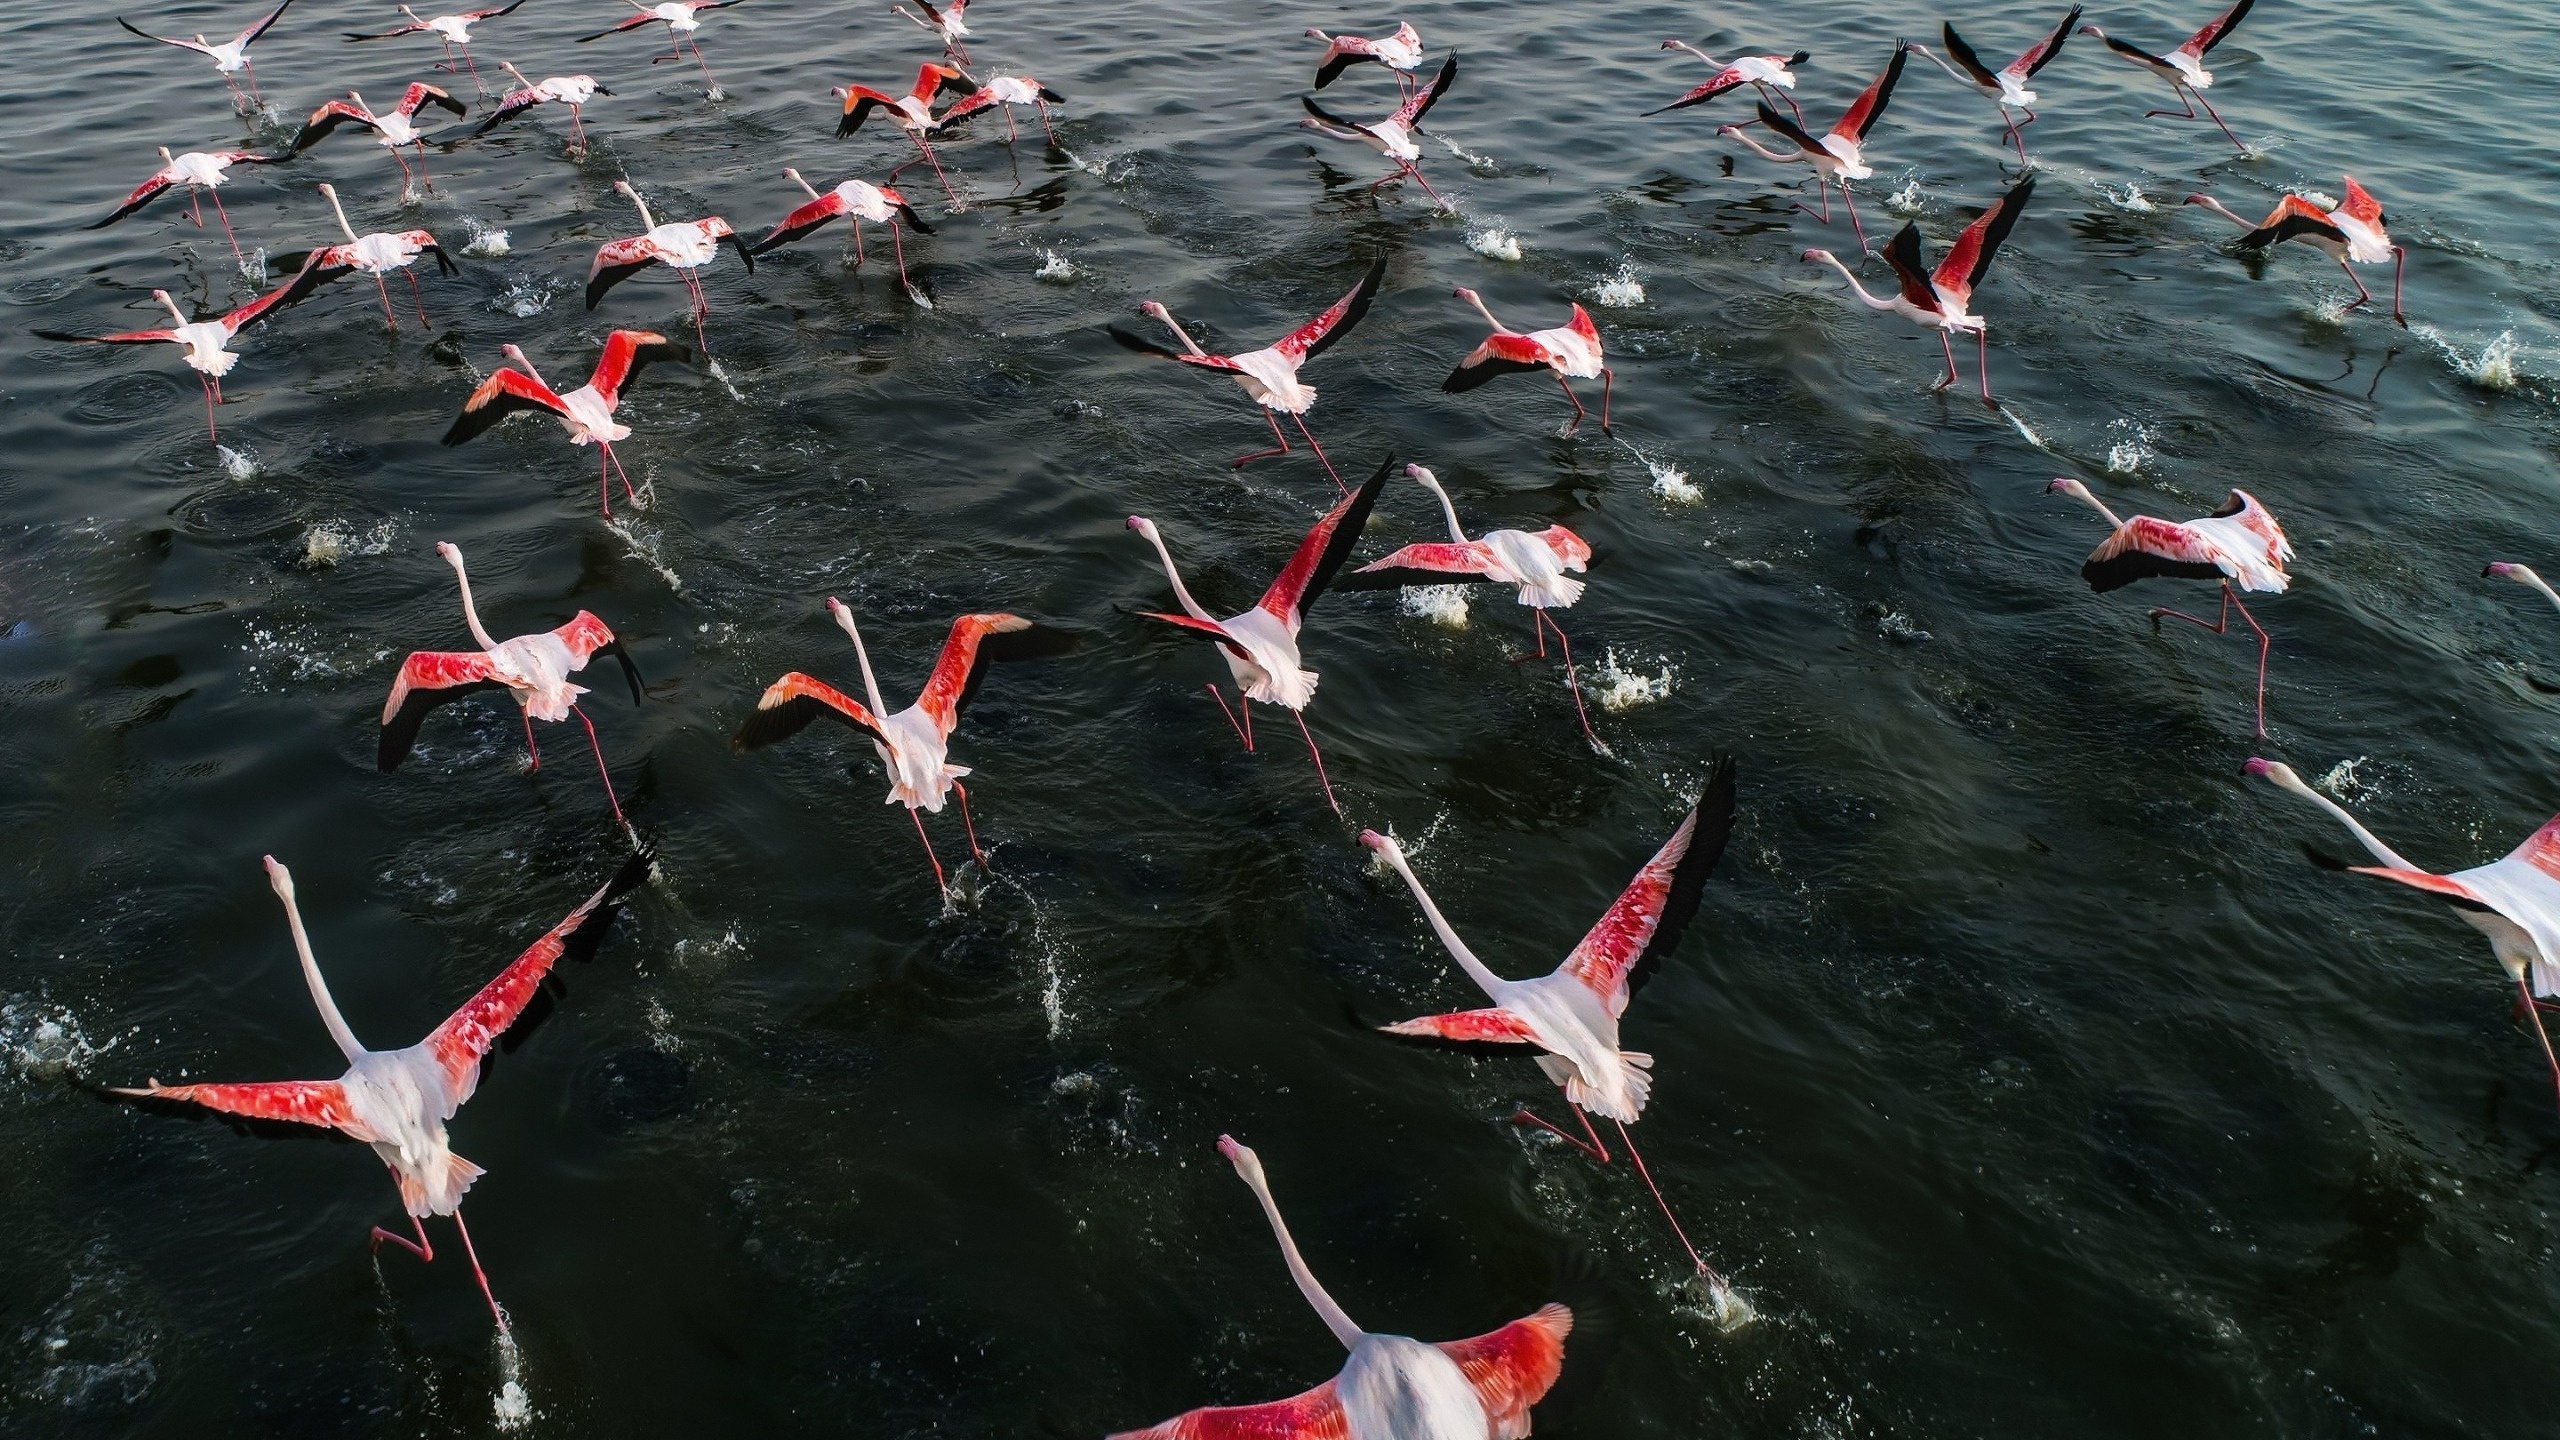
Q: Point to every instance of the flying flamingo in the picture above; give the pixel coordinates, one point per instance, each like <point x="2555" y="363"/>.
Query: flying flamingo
<point x="376" y="255"/>
<point x="203" y="341"/>
<point x="1758" y="71"/>
<point x="2240" y="542"/>
<point x="945" y="23"/>
<point x="1400" y="52"/>
<point x="398" y="1101"/>
<point x="391" y="130"/>
<point x="1392" y="1388"/>
<point x="2353" y="231"/>
<point x="2007" y="86"/>
<point x="914" y="743"/>
<point x="1393" y="136"/>
<point x="682" y="18"/>
<point x="1260" y="646"/>
<point x="858" y="200"/>
<point x="227" y="58"/>
<point x="911" y="112"/>
<point x="451" y="29"/>
<point x="573" y="91"/>
<point x="1534" y="562"/>
<point x="1839" y="156"/>
<point x="1938" y="298"/>
<point x="2183" y="68"/>
<point x="586" y="412"/>
<point x="1572" y="1012"/>
<point x="682" y="248"/>
<point x="1571" y="349"/>
<point x="202" y="172"/>
<point x="533" y="669"/>
<point x="2514" y="900"/>
<point x="1008" y="91"/>
<point x="1270" y="375"/>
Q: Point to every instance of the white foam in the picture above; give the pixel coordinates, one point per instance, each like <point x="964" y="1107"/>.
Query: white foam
<point x="1617" y="687"/>
<point x="1908" y="200"/>
<point x="1670" y="482"/>
<point x="1056" y="268"/>
<point x="513" y="1403"/>
<point x="1622" y="290"/>
<point x="645" y="550"/>
<point x="1481" y="164"/>
<point x="2132" y="199"/>
<point x="1444" y="605"/>
<point x="2343" y="782"/>
<point x="331" y="541"/>
<point x="715" y="94"/>
<point x="2131" y="449"/>
<point x="485" y="241"/>
<point x="1494" y="242"/>
<point x="238" y="464"/>
<point x="40" y="1040"/>
<point x="2493" y="368"/>
<point x="1721" y="1304"/>
<point x="2025" y="431"/>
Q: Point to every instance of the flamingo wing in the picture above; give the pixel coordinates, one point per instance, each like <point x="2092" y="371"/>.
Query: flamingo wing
<point x="1730" y="77"/>
<point x="975" y="643"/>
<point x="2135" y="53"/>
<point x="2042" y="53"/>
<point x="428" y="679"/>
<point x="476" y="16"/>
<point x="1962" y="52"/>
<point x="1336" y="61"/>
<point x="421" y="93"/>
<point x="587" y="637"/>
<point x="1315" y="1415"/>
<point x="1647" y="919"/>
<point x="124" y="337"/>
<point x="625" y="352"/>
<point x="1312" y="565"/>
<point x="1437" y="562"/>
<point x="325" y="119"/>
<point x="1492" y="1025"/>
<point x="1869" y="106"/>
<point x="634" y="23"/>
<point x="2309" y="222"/>
<point x="1793" y="133"/>
<point x="907" y="213"/>
<point x="802" y="222"/>
<point x="143" y="194"/>
<point x="260" y="28"/>
<point x="1910" y="267"/>
<point x="1502" y="353"/>
<point x="615" y="262"/>
<point x="1514" y="1367"/>
<point x="510" y="105"/>
<point x="2217" y="30"/>
<point x="505" y="392"/>
<point x="241" y="317"/>
<point x="1571" y="550"/>
<point x="970" y="104"/>
<point x="1145" y="346"/>
<point x="1318" y="335"/>
<point x="1969" y="259"/>
<point x="1411" y="113"/>
<point x="386" y="34"/>
<point x="790" y="703"/>
<point x="165" y="40"/>
<point x="1308" y="102"/>
<point x="2143" y="548"/>
<point x="859" y="102"/>
<point x="304" y="1102"/>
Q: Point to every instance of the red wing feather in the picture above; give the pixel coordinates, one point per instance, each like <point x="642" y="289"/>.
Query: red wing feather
<point x="1315" y="1415"/>
<point x="976" y="642"/>
<point x="1648" y="917"/>
<point x="1910" y="267"/>
<point x="634" y="23"/>
<point x="2042" y="53"/>
<point x="1441" y="557"/>
<point x="143" y="194"/>
<point x="1317" y="335"/>
<point x="2218" y="29"/>
<point x="2541" y="849"/>
<point x="1493" y="1024"/>
<point x="435" y="670"/>
<point x="1969" y="259"/>
<point x="465" y="1037"/>
<point x="1514" y="1367"/>
<point x="790" y="703"/>
<point x="505" y="392"/>
<point x="304" y="1102"/>
<point x="1869" y="106"/>
<point x="1725" y="79"/>
<point x="625" y="351"/>
<point x="1321" y="553"/>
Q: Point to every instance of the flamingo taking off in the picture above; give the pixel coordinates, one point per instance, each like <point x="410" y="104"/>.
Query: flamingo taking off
<point x="573" y="91"/>
<point x="1571" y="350"/>
<point x="202" y="172"/>
<point x="2183" y="69"/>
<point x="1393" y="136"/>
<point x="2523" y="575"/>
<point x="2354" y="231"/>
<point x="911" y="112"/>
<point x="683" y="248"/>
<point x="1260" y="645"/>
<point x="229" y="57"/>
<point x="1939" y="298"/>
<point x="1534" y="562"/>
<point x="856" y="200"/>
<point x="1839" y="156"/>
<point x="1759" y="71"/>
<point x="2237" y="544"/>
<point x="1270" y="375"/>
<point x="682" y="18"/>
<point x="914" y="744"/>
<point x="453" y="30"/>
<point x="376" y="255"/>
<point x="398" y="1101"/>
<point x="391" y="129"/>
<point x="2514" y="900"/>
<point x="1571" y="1013"/>
<point x="1008" y="91"/>
<point x="1391" y="1388"/>
<point x="586" y="412"/>
<point x="205" y="342"/>
<point x="2007" y="86"/>
<point x="533" y="669"/>
<point x="1400" y="52"/>
<point x="946" y="24"/>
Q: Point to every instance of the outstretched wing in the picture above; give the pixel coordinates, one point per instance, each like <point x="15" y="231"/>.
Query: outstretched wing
<point x="1726" y="79"/>
<point x="510" y="105"/>
<point x="410" y="29"/>
<point x="1318" y="335"/>
<point x="790" y="703"/>
<point x="1648" y="917"/>
<point x="126" y="337"/>
<point x="625" y="352"/>
<point x="304" y="1102"/>
<point x="1436" y="562"/>
<point x="1420" y="105"/>
<point x="1969" y="259"/>
<point x="254" y="31"/>
<point x="976" y="642"/>
<point x="615" y="262"/>
<point x="1492" y="1025"/>
<point x="587" y="637"/>
<point x="1318" y="556"/>
<point x="2143" y="548"/>
<point x="427" y="680"/>
<point x="1315" y="1415"/>
<point x="1502" y="353"/>
<point x="2042" y="53"/>
<point x="1793" y="133"/>
<point x="505" y="392"/>
<point x="2308" y="222"/>
<point x="1962" y="52"/>
<point x="325" y="119"/>
<point x="143" y="194"/>
<point x="241" y="317"/>
<point x="801" y="222"/>
<point x="859" y="102"/>
<point x="1910" y="267"/>
<point x="2219" y="28"/>
<point x="1869" y="106"/>
<point x="1145" y="346"/>
<point x="421" y="93"/>
<point x="634" y="23"/>
<point x="181" y="44"/>
<point x="1514" y="1367"/>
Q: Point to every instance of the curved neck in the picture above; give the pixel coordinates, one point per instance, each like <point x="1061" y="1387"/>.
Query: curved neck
<point x="2523" y="576"/>
<point x="803" y="184"/>
<point x="331" y="192"/>
<point x="1941" y="63"/>
<point x="1478" y="301"/>
<point x="517" y="355"/>
<point x="329" y="1016"/>
<point x="2371" y="841"/>
<point x="1701" y="54"/>
<point x="862" y="657"/>
<point x="171" y="306"/>
<point x="2082" y="492"/>
<point x="1766" y="154"/>
<point x="1485" y="979"/>
<point x="1181" y="593"/>
<point x="1834" y="262"/>
<point x="510" y="67"/>
<point x="2218" y="208"/>
<point x="1431" y="482"/>
<point x="470" y="614"/>
<point x="1179" y="333"/>
<point x="646" y="223"/>
<point x="1332" y="1314"/>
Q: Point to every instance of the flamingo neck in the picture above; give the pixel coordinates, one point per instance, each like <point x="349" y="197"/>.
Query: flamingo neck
<point x="2115" y="524"/>
<point x="646" y="223"/>
<point x="2524" y="576"/>
<point x="510" y="67"/>
<point x="1941" y="63"/>
<point x="329" y="1016"/>
<point x="1478" y="301"/>
<point x="803" y="184"/>
<point x="1835" y="263"/>
<point x="1485" y="979"/>
<point x="358" y="97"/>
<point x="862" y="657"/>
<point x="532" y="374"/>
<point x="176" y="314"/>
<point x="1333" y="1315"/>
<point x="1431" y="482"/>
<point x="2218" y="208"/>
<point x="1701" y="54"/>
<point x="1756" y="148"/>
<point x="1181" y="334"/>
<point x="470" y="613"/>
<point x="2371" y="841"/>
<point x="334" y="208"/>
<point x="1181" y="592"/>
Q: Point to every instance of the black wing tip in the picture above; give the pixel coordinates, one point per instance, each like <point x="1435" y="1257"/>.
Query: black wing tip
<point x="2321" y="858"/>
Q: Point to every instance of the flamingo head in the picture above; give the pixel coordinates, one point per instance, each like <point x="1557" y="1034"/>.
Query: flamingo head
<point x="841" y="92"/>
<point x="1728" y="130"/>
<point x="451" y="553"/>
<point x="1154" y="309"/>
<point x="1426" y="477"/>
<point x="1463" y="293"/>
<point x="1815" y="256"/>
<point x="2502" y="570"/>
<point x="2199" y="198"/>
<point x="1315" y="34"/>
<point x="2276" y="773"/>
<point x="1143" y="526"/>
<point x="625" y="187"/>
<point x="279" y="878"/>
<point x="1241" y="1156"/>
<point x="1383" y="846"/>
<point x="2093" y="31"/>
<point x="515" y="352"/>
<point x="166" y="158"/>
<point x="2065" y="485"/>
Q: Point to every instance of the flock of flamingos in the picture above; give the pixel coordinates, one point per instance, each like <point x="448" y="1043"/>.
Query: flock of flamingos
<point x="399" y="1101"/>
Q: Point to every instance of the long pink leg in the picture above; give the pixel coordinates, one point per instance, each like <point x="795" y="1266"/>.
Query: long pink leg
<point x="938" y="882"/>
<point x="419" y="1247"/>
<point x="1301" y="422"/>
<point x="1571" y="682"/>
<point x="225" y="217"/>
<point x="1426" y="186"/>
<point x="475" y="77"/>
<point x="898" y="247"/>
<point x="598" y="746"/>
<point x="2363" y="296"/>
<point x="1821" y="192"/>
<point x="604" y="488"/>
<point x="970" y="825"/>
<point x="626" y="480"/>
<point x="577" y="132"/>
<point x="532" y="753"/>
<point x="927" y="148"/>
<point x="2533" y="1009"/>
<point x="1856" y="228"/>
<point x="426" y="181"/>
<point x="1780" y="95"/>
<point x="1949" y="347"/>
<point x="1319" y="759"/>
<point x="388" y="319"/>
<point x="1598" y="1152"/>
<point x="1283" y="448"/>
<point x="210" y="433"/>
<point x="195" y="206"/>
<point x="420" y="297"/>
<point x="2180" y="91"/>
<point x="1578" y="411"/>
<point x="1242" y="733"/>
<point x="1982" y="362"/>
<point x="1044" y="121"/>
<point x="2399" y="263"/>
<point x="858" y="256"/>
<point x="2221" y="623"/>
<point x="2226" y="130"/>
<point x="1712" y="1277"/>
<point x="707" y="77"/>
<point x="1608" y="385"/>
<point x="477" y="1273"/>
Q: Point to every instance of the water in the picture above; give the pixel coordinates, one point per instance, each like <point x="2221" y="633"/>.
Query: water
<point x="2019" y="1072"/>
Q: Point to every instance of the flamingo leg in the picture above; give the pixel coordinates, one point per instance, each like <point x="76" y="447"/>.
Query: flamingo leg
<point x="477" y="1273"/>
<point x="1855" y="227"/>
<point x="858" y="256"/>
<point x="1243" y="728"/>
<point x="2226" y="130"/>
<point x="468" y="64"/>
<point x="388" y="319"/>
<point x="939" y="883"/>
<point x="1982" y="362"/>
<point x="195" y="206"/>
<point x="577" y="132"/>
<point x="426" y="180"/>
<point x="1950" y="349"/>
<point x="1044" y="122"/>
<point x="604" y="490"/>
<point x="1768" y="93"/>
<point x="707" y="77"/>
<point x="1301" y="422"/>
<point x="2179" y="90"/>
<point x="970" y="825"/>
<point x="2363" y="296"/>
<point x="420" y="297"/>
<point x="1608" y="384"/>
<point x="1426" y="186"/>
<point x="1571" y="681"/>
<point x="2399" y="263"/>
<point x="447" y="66"/>
<point x="532" y="752"/>
<point x="209" y="431"/>
<point x="625" y="479"/>
<point x="1821" y="192"/>
<point x="927" y="148"/>
<point x="1598" y="1152"/>
<point x="420" y="1247"/>
<point x="2014" y="137"/>
<point x="1578" y="411"/>
<point x="225" y="217"/>
<point x="1318" y="757"/>
<point x="598" y="746"/>
<point x="2533" y="1009"/>
<point x="1243" y="460"/>
<point x="898" y="247"/>
<point x="2221" y="624"/>
<point x="1713" y="1279"/>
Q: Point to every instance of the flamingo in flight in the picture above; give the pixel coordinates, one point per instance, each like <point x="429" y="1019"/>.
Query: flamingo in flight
<point x="857" y="200"/>
<point x="1391" y="1387"/>
<point x="573" y="91"/>
<point x="683" y="248"/>
<point x="1571" y="1013"/>
<point x="203" y="173"/>
<point x="1761" y="72"/>
<point x="1939" y="298"/>
<point x="229" y="57"/>
<point x="533" y="669"/>
<point x="1393" y="136"/>
<point x="1570" y="350"/>
<point x="2354" y="231"/>
<point x="1839" y="156"/>
<point x="911" y="112"/>
<point x="205" y="342"/>
<point x="398" y="1101"/>
<point x="376" y="255"/>
<point x="914" y="744"/>
<point x="682" y="18"/>
<point x="946" y="24"/>
<point x="1260" y="645"/>
<point x="1400" y="52"/>
<point x="451" y="29"/>
<point x="391" y="129"/>
<point x="1535" y="563"/>
<point x="2007" y="86"/>
<point x="2514" y="900"/>
<point x="1270" y="375"/>
<point x="1008" y="91"/>
<point x="2237" y="544"/>
<point x="2183" y="69"/>
<point x="586" y="412"/>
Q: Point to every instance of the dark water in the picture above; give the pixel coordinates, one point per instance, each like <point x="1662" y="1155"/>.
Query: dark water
<point x="2019" y="1070"/>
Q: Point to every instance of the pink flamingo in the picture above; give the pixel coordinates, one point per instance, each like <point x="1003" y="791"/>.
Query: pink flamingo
<point x="376" y="255"/>
<point x="1939" y="298"/>
<point x="682" y="18"/>
<point x="857" y="200"/>
<point x="229" y="57"/>
<point x="586" y="412"/>
<point x="205" y="341"/>
<point x="202" y="172"/>
<point x="2007" y="86"/>
<point x="2183" y="68"/>
<point x="1008" y="91"/>
<point x="1839" y="156"/>
<point x="1761" y="72"/>
<point x="1393" y="136"/>
<point x="2354" y="231"/>
<point x="451" y="29"/>
<point x="683" y="248"/>
<point x="573" y="91"/>
<point x="392" y="129"/>
<point x="911" y="112"/>
<point x="1400" y="53"/>
<point x="1569" y="350"/>
<point x="946" y="24"/>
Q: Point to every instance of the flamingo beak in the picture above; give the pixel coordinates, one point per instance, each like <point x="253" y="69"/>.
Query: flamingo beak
<point x="1371" y="839"/>
<point x="2258" y="766"/>
<point x="2497" y="570"/>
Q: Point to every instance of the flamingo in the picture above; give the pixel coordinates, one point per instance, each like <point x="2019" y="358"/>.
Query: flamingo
<point x="398" y="1101"/>
<point x="204" y="341"/>
<point x="2007" y="86"/>
<point x="682" y="18"/>
<point x="1839" y="156"/>
<point x="533" y="669"/>
<point x="2514" y="900"/>
<point x="1570" y="350"/>
<point x="1008" y="91"/>
<point x="1393" y="136"/>
<point x="1260" y="645"/>
<point x="2183" y="68"/>
<point x="1938" y="298"/>
<point x="573" y="91"/>
<point x="2240" y="542"/>
<point x="1535" y="563"/>
<point x="2354" y="231"/>
<point x="391" y="129"/>
<point x="911" y="112"/>
<point x="914" y="743"/>
<point x="228" y="57"/>
<point x="682" y="248"/>
<point x="1758" y="71"/>
<point x="858" y="200"/>
<point x="376" y="255"/>
<point x="451" y="29"/>
<point x="1400" y="52"/>
<point x="945" y="23"/>
<point x="1270" y="375"/>
<point x="586" y="412"/>
<point x="1571" y="1013"/>
<point x="202" y="172"/>
<point x="1391" y="1387"/>
<point x="2504" y="570"/>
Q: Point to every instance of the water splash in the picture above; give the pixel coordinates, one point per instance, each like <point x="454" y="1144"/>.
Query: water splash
<point x="1719" y="1303"/>
<point x="1481" y="164"/>
<point x="1443" y="605"/>
<point x="1910" y="199"/>
<point x="1056" y="268"/>
<point x="646" y="548"/>
<point x="2344" y="782"/>
<point x="253" y="266"/>
<point x="485" y="241"/>
<point x="513" y="1403"/>
<point x="921" y="300"/>
<point x="2025" y="431"/>
<point x="1622" y="290"/>
<point x="331" y="541"/>
<point x="715" y="94"/>
<point x="96" y="1346"/>
<point x="2131" y="449"/>
<point x="526" y="298"/>
<point x="1670" y="482"/>
<point x="1494" y="242"/>
<point x="238" y="464"/>
<point x="2131" y="200"/>
<point x="40" y="1040"/>
<point x="1615" y="687"/>
<point x="2493" y="368"/>
<point x="722" y="375"/>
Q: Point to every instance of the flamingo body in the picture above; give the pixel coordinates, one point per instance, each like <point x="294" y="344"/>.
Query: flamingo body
<point x="1400" y="52"/>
